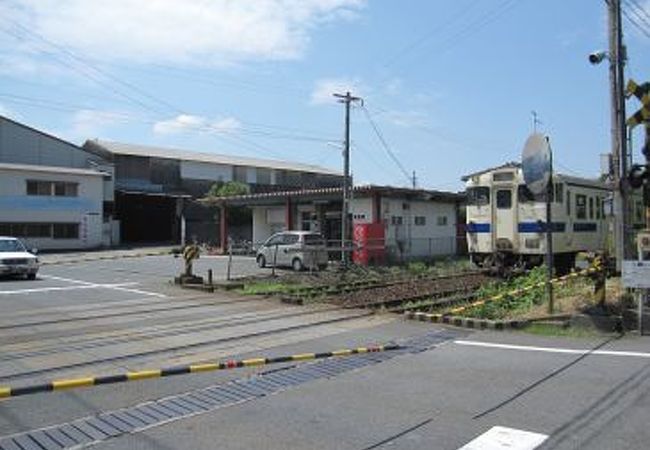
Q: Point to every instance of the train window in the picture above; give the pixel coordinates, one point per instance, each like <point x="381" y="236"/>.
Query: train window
<point x="559" y="192"/>
<point x="503" y="176"/>
<point x="524" y="195"/>
<point x="591" y="207"/>
<point x="638" y="213"/>
<point x="581" y="206"/>
<point x="478" y="196"/>
<point x="504" y="199"/>
<point x="568" y="202"/>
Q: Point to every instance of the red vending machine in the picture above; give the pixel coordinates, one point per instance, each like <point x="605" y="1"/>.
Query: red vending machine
<point x="369" y="244"/>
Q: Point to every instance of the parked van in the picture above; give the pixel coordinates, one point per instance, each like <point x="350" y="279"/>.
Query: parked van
<point x="296" y="249"/>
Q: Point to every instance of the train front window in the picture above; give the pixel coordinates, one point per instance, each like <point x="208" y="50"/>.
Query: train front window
<point x="478" y="196"/>
<point x="504" y="199"/>
<point x="524" y="195"/>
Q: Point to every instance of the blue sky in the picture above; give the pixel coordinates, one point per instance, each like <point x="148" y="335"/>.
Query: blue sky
<point x="450" y="85"/>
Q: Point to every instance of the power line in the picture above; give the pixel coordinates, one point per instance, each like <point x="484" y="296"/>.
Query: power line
<point x="386" y="146"/>
<point x="635" y="23"/>
<point x="422" y="39"/>
<point x="640" y="8"/>
<point x="638" y="17"/>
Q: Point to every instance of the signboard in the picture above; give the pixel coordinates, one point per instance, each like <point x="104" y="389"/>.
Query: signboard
<point x="536" y="163"/>
<point x="636" y="274"/>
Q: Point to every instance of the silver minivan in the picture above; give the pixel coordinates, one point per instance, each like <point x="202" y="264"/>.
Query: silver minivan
<point x="296" y="249"/>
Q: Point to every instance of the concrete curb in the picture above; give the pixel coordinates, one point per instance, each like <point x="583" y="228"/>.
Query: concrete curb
<point x="466" y="322"/>
<point x="106" y="257"/>
<point x="74" y="383"/>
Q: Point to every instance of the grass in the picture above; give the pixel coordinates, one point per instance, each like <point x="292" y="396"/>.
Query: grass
<point x="571" y="296"/>
<point x="269" y="288"/>
<point x="541" y="329"/>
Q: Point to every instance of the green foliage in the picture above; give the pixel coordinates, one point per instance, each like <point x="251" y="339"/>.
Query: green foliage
<point x="521" y="301"/>
<point x="228" y="189"/>
<point x="417" y="268"/>
<point x="269" y="288"/>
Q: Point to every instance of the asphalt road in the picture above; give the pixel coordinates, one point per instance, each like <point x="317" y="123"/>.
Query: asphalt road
<point x="110" y="316"/>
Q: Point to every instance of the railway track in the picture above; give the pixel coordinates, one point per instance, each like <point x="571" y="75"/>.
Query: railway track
<point x="169" y="350"/>
<point x="156" y="332"/>
<point x="350" y="287"/>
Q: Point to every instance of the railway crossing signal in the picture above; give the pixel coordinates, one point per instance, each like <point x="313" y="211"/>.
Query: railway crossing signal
<point x="642" y="92"/>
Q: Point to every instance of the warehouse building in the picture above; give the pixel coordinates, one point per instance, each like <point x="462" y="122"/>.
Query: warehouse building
<point x="53" y="194"/>
<point x="155" y="188"/>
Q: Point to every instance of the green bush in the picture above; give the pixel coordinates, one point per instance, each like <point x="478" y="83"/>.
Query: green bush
<point x="522" y="301"/>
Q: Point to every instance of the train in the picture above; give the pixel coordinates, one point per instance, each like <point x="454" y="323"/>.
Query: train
<point x="506" y="223"/>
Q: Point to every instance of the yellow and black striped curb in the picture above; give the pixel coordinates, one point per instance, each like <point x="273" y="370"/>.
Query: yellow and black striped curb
<point x="73" y="383"/>
<point x="498" y="297"/>
<point x="107" y="257"/>
<point x="466" y="322"/>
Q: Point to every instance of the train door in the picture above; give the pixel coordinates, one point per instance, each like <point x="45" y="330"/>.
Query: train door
<point x="505" y="219"/>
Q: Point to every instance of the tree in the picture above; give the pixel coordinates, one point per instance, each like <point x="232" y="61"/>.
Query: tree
<point x="228" y="189"/>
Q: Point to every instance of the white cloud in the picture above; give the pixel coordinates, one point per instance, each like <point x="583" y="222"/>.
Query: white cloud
<point x="212" y="32"/>
<point x="406" y="119"/>
<point x="185" y="123"/>
<point x="87" y="123"/>
<point x="324" y="88"/>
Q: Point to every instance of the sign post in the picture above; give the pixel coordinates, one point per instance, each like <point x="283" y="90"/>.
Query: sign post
<point x="537" y="166"/>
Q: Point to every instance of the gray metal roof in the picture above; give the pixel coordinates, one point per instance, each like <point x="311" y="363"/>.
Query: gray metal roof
<point x="118" y="148"/>
<point x="51" y="169"/>
<point x="421" y="194"/>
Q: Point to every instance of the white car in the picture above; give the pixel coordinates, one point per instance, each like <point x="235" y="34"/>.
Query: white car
<point x="16" y="260"/>
<point x="297" y="249"/>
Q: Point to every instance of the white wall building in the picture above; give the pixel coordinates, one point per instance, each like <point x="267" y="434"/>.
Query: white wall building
<point x="52" y="207"/>
<point x="53" y="194"/>
<point x="417" y="224"/>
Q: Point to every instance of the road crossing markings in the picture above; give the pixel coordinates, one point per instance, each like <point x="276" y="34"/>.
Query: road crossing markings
<point x="570" y="351"/>
<point x="107" y="286"/>
<point x="66" y="288"/>
<point x="497" y="438"/>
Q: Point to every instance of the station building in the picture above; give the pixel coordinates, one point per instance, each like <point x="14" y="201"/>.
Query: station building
<point x="406" y="224"/>
<point x="156" y="189"/>
<point x="53" y="194"/>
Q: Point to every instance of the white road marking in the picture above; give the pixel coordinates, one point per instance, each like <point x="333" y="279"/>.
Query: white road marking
<point x="497" y="438"/>
<point x="66" y="288"/>
<point x="571" y="351"/>
<point x="107" y="286"/>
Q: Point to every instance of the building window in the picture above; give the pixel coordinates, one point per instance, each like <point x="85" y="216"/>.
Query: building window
<point x="441" y="221"/>
<point x="568" y="202"/>
<point x="306" y="220"/>
<point x="263" y="176"/>
<point x="240" y="174"/>
<point x="420" y="221"/>
<point x="41" y="230"/>
<point x="396" y="220"/>
<point x="591" y="207"/>
<point x="52" y="188"/>
<point x="65" y="231"/>
<point x="581" y="206"/>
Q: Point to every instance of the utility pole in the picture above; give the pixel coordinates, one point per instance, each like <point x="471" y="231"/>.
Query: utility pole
<point x="347" y="99"/>
<point x="536" y="121"/>
<point x="414" y="181"/>
<point x="618" y="133"/>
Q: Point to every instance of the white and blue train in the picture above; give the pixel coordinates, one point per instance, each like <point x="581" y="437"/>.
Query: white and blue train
<point x="506" y="223"/>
